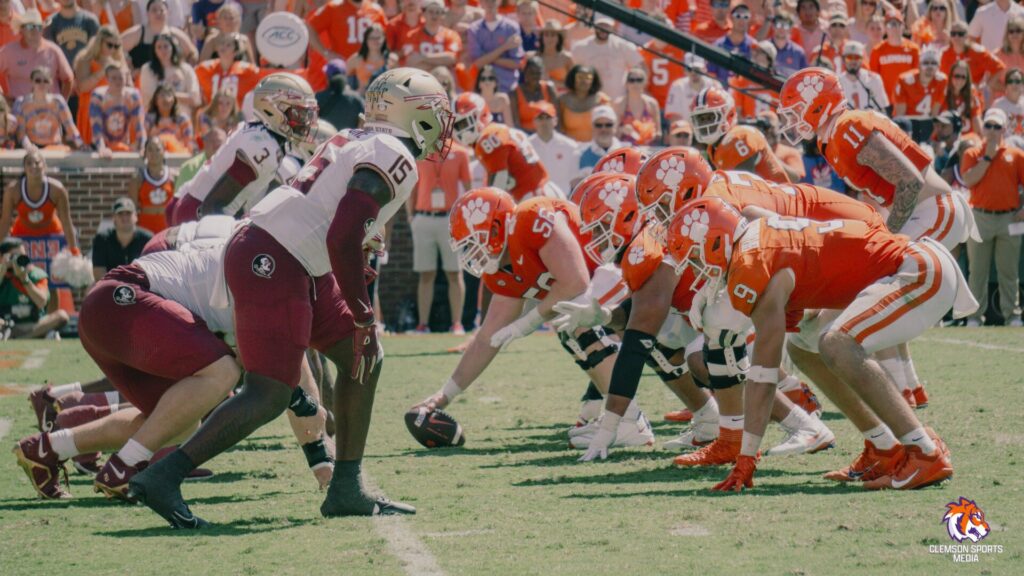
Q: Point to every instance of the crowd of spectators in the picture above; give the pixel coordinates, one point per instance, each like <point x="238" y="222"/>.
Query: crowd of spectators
<point x="111" y="75"/>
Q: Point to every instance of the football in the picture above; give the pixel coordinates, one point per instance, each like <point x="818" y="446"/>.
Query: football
<point x="434" y="429"/>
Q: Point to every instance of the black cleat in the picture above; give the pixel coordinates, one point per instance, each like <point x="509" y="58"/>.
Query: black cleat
<point x="381" y="507"/>
<point x="164" y="497"/>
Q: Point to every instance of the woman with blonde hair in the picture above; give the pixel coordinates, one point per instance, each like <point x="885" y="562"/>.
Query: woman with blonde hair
<point x="861" y="18"/>
<point x="228" y="21"/>
<point x="1011" y="53"/>
<point x="934" y="25"/>
<point x="8" y="127"/>
<point x="639" y="114"/>
<point x="222" y="112"/>
<point x="104" y="48"/>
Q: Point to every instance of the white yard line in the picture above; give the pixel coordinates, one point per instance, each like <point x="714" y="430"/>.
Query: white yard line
<point x="36" y="359"/>
<point x="5" y="427"/>
<point x="403" y="543"/>
<point x="959" y="342"/>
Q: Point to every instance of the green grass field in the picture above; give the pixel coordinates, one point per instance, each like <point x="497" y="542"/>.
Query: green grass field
<point x="513" y="500"/>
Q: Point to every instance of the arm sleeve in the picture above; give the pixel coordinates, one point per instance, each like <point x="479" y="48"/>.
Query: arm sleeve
<point x="345" y="248"/>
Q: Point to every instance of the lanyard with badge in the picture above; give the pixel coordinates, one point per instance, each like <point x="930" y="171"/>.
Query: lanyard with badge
<point x="437" y="196"/>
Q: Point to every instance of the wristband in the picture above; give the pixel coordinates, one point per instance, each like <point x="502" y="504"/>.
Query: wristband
<point x="762" y="374"/>
<point x="750" y="444"/>
<point x="450" y="389"/>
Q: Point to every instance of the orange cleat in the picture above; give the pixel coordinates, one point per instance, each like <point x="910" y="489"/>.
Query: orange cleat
<point x="741" y="476"/>
<point x="723" y="450"/>
<point x="683" y="415"/>
<point x="908" y="395"/>
<point x="806" y="399"/>
<point x="915" y="470"/>
<point x="872" y="463"/>
<point x="920" y="397"/>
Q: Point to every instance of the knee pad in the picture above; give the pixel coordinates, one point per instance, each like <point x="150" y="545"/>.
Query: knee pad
<point x="660" y="361"/>
<point x="577" y="347"/>
<point x="302" y="404"/>
<point x="727" y="366"/>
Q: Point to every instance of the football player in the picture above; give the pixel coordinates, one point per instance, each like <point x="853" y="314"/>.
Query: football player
<point x="620" y="161"/>
<point x="295" y="273"/>
<point x="732" y="146"/>
<point x="530" y="256"/>
<point x="889" y="290"/>
<point x="246" y="165"/>
<point x="890" y="171"/>
<point x="506" y="154"/>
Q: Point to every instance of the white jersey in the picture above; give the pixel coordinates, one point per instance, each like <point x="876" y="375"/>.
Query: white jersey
<point x="208" y="228"/>
<point x="258" y="148"/>
<point x="188" y="276"/>
<point x="300" y="215"/>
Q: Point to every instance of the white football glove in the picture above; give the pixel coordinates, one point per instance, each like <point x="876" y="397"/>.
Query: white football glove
<point x="524" y="326"/>
<point x="574" y="314"/>
<point x="697" y="310"/>
<point x="603" y="438"/>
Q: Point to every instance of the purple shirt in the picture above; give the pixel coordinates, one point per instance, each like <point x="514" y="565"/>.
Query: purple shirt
<point x="482" y="40"/>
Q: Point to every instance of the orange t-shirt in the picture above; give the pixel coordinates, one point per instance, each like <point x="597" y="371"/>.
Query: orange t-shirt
<point x="154" y="195"/>
<point x="746" y="105"/>
<point x="740" y="144"/>
<point x="527" y="114"/>
<point x="832" y="262"/>
<point x="240" y="79"/>
<point x="662" y="72"/>
<point x="503" y="148"/>
<point x="892" y="61"/>
<point x="419" y="40"/>
<point x="920" y="100"/>
<point x="709" y="30"/>
<point x="397" y="30"/>
<point x="980" y="61"/>
<point x="844" y="141"/>
<point x="345" y="24"/>
<point x="533" y="222"/>
<point x="997" y="190"/>
<point x="742" y="189"/>
<point x="921" y="32"/>
<point x="445" y="177"/>
<point x="124" y="18"/>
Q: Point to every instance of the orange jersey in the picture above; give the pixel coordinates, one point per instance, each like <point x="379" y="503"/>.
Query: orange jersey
<point x="154" y="195"/>
<point x="747" y="106"/>
<point x="848" y="135"/>
<point x="502" y="148"/>
<point x="662" y="72"/>
<point x="239" y="80"/>
<point x="739" y="145"/>
<point x="979" y="60"/>
<point x="832" y="262"/>
<point x="345" y="22"/>
<point x="799" y="200"/>
<point x="532" y="224"/>
<point x="892" y="61"/>
<point x="397" y="30"/>
<point x="919" y="99"/>
<point x="38" y="217"/>
<point x="419" y="41"/>
<point x="642" y="257"/>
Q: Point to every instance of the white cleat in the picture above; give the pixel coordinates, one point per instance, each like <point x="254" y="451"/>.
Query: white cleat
<point x="590" y="411"/>
<point x="630" y="433"/>
<point x="805" y="441"/>
<point x="702" y="431"/>
<point x="584" y="428"/>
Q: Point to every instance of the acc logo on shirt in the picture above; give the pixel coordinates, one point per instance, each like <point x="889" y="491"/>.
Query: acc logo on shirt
<point x="124" y="295"/>
<point x="263" y="265"/>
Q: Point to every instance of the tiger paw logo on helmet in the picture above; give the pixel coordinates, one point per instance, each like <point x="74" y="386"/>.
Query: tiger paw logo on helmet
<point x="636" y="254"/>
<point x="810" y="87"/>
<point x="475" y="211"/>
<point x="965" y="521"/>
<point x="613" y="194"/>
<point x="695" y="226"/>
<point x="616" y="165"/>
<point x="670" y="172"/>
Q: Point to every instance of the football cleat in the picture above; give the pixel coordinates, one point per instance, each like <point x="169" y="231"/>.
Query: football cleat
<point x="684" y="415"/>
<point x="723" y="450"/>
<point x="43" y="405"/>
<point x="908" y="395"/>
<point x="163" y="497"/>
<point x="920" y="397"/>
<point x="915" y="470"/>
<point x="702" y="431"/>
<point x="587" y="428"/>
<point x="113" y="479"/>
<point x="631" y="433"/>
<point x="872" y="463"/>
<point x="804" y="440"/>
<point x="805" y="398"/>
<point x="39" y="461"/>
<point x="87" y="464"/>
<point x="590" y="410"/>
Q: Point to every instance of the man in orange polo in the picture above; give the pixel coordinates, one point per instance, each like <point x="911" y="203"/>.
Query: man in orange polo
<point x="993" y="172"/>
<point x="895" y="55"/>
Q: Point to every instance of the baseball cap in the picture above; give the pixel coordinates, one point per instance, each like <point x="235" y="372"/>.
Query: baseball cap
<point x="838" y="17"/>
<point x="30" y="17"/>
<point x="603" y="112"/>
<point x="428" y="3"/>
<point x="680" y="127"/>
<point x="543" y="107"/>
<point x="123" y="204"/>
<point x="947" y="117"/>
<point x="853" y="48"/>
<point x="691" y="60"/>
<point x="768" y="47"/>
<point x="930" y="55"/>
<point x="602" y="19"/>
<point x="335" y="67"/>
<point x="995" y="115"/>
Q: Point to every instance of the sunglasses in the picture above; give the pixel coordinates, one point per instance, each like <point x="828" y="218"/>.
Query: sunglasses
<point x="937" y="9"/>
<point x="488" y="78"/>
<point x="41" y="80"/>
<point x="1018" y="81"/>
<point x="992" y="126"/>
<point x="741" y="16"/>
<point x="604" y="125"/>
<point x="31" y="27"/>
<point x="116" y="45"/>
<point x="958" y="34"/>
<point x="635" y="80"/>
<point x="893" y="24"/>
<point x="838" y="25"/>
<point x="1014" y="31"/>
<point x="959" y="76"/>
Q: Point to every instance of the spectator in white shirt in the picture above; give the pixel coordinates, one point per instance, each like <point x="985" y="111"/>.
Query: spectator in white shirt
<point x="606" y="126"/>
<point x="682" y="92"/>
<point x="1012" y="102"/>
<point x="559" y="152"/>
<point x="989" y="23"/>
<point x="610" y="55"/>
<point x="863" y="88"/>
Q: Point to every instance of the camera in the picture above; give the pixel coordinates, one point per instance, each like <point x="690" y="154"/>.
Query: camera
<point x="22" y="261"/>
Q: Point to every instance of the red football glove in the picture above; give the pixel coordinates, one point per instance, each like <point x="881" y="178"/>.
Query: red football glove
<point x="742" y="476"/>
<point x="366" y="352"/>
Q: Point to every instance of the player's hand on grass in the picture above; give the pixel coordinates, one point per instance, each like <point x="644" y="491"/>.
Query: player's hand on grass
<point x="603" y="438"/>
<point x="741" y="476"/>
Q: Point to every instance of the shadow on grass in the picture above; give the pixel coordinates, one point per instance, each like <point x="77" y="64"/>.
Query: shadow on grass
<point x="832" y="416"/>
<point x="226" y="477"/>
<point x="811" y="487"/>
<point x="101" y="502"/>
<point x="667" y="474"/>
<point x="240" y="527"/>
<point x="261" y="444"/>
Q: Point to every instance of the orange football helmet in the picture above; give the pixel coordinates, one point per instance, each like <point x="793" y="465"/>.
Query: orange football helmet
<point x="478" y="225"/>
<point x="714" y="113"/>
<point x="807" y="100"/>
<point x="471" y="115"/>
<point x="701" y="236"/>
<point x="668" y="179"/>
<point x="610" y="214"/>
<point x="622" y="161"/>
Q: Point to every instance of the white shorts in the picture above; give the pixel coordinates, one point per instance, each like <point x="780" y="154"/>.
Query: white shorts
<point x="898" y="308"/>
<point x="676" y="332"/>
<point x="811" y="327"/>
<point x="430" y="236"/>
<point x="946" y="219"/>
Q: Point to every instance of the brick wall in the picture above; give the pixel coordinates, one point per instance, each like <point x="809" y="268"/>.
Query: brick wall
<point x="93" y="184"/>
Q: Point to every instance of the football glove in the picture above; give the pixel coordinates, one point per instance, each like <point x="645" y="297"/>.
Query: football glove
<point x="523" y="326"/>
<point x="603" y="438"/>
